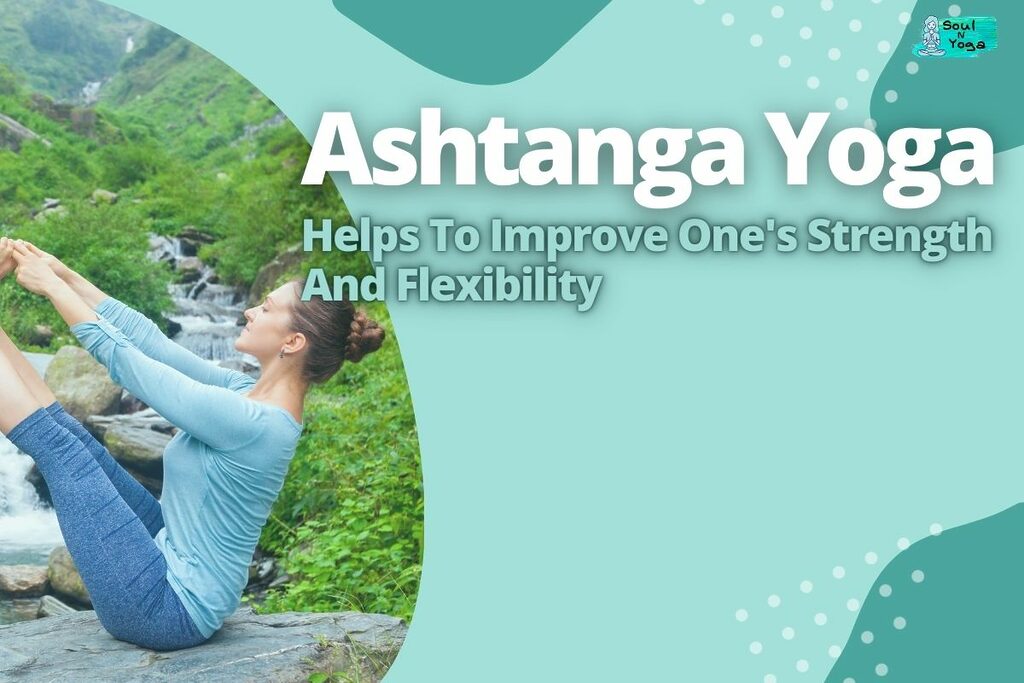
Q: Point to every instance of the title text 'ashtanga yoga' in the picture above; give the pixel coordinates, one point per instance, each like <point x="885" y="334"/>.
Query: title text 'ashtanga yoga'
<point x="856" y="156"/>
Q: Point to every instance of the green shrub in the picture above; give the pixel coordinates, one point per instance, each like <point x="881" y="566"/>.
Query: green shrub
<point x="348" y="525"/>
<point x="108" y="245"/>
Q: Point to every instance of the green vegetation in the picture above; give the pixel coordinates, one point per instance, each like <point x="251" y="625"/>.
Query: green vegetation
<point x="349" y="522"/>
<point x="59" y="45"/>
<point x="107" y="244"/>
<point x="183" y="141"/>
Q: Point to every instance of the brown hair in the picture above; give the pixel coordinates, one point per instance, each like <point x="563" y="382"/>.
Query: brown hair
<point x="335" y="332"/>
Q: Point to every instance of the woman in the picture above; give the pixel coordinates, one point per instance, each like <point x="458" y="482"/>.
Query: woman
<point x="165" y="575"/>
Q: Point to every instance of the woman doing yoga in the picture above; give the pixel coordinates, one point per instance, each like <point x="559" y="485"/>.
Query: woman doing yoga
<point x="164" y="575"/>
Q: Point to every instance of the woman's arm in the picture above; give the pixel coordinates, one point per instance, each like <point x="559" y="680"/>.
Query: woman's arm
<point x="143" y="332"/>
<point x="215" y="415"/>
<point x="29" y="377"/>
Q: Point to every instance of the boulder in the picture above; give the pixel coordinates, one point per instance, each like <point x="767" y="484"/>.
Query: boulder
<point x="64" y="578"/>
<point x="13" y="134"/>
<point x="287" y="262"/>
<point x="285" y="647"/>
<point x="189" y="268"/>
<point x="137" y="446"/>
<point x="100" y="196"/>
<point x="81" y="384"/>
<point x="41" y="335"/>
<point x="46" y="213"/>
<point x="191" y="239"/>
<point x="22" y="581"/>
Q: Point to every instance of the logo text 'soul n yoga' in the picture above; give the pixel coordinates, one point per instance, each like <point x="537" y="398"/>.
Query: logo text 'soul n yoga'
<point x="956" y="37"/>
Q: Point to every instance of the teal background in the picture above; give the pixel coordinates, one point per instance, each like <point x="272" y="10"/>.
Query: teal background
<point x="605" y="490"/>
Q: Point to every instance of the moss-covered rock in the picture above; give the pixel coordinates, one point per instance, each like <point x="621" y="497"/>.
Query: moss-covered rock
<point x="81" y="384"/>
<point x="64" y="577"/>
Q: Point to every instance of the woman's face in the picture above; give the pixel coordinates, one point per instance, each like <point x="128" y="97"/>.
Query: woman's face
<point x="268" y="325"/>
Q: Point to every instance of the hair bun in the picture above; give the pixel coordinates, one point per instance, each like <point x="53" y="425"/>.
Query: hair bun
<point x="366" y="336"/>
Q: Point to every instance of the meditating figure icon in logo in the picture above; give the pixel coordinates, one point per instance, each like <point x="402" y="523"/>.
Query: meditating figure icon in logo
<point x="930" y="37"/>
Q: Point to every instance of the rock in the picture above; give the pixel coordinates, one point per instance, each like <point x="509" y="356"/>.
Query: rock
<point x="287" y="647"/>
<point x="64" y="578"/>
<point x="137" y="446"/>
<point x="41" y="335"/>
<point x="162" y="249"/>
<point x="57" y="111"/>
<point x="143" y="419"/>
<point x="22" y="581"/>
<point x="154" y="485"/>
<point x="13" y="134"/>
<point x="50" y="606"/>
<point x="20" y="609"/>
<point x="189" y="265"/>
<point x="47" y="213"/>
<point x="35" y="477"/>
<point x="262" y="569"/>
<point x="130" y="404"/>
<point x="81" y="384"/>
<point x="173" y="328"/>
<point x="287" y="262"/>
<point x="281" y="580"/>
<point x="190" y="234"/>
<point x="190" y="276"/>
<point x="100" y="196"/>
<point x="83" y="121"/>
<point x="137" y="441"/>
<point x="50" y="203"/>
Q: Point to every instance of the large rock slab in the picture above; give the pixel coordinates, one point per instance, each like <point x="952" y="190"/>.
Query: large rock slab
<point x="81" y="384"/>
<point x="13" y="134"/>
<point x="137" y="441"/>
<point x="274" y="648"/>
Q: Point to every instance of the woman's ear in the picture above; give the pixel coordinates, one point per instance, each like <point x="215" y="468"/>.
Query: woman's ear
<point x="295" y="343"/>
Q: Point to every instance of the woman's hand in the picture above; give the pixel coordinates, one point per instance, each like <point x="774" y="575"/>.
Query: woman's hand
<point x="7" y="262"/>
<point x="32" y="271"/>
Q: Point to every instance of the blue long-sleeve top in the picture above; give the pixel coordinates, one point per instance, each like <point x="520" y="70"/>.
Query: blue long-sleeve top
<point x="224" y="468"/>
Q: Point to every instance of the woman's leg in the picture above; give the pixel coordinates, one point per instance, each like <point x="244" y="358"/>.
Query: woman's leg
<point x="120" y="565"/>
<point x="141" y="501"/>
<point x="138" y="498"/>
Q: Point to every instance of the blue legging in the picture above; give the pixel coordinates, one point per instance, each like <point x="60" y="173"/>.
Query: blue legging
<point x="108" y="521"/>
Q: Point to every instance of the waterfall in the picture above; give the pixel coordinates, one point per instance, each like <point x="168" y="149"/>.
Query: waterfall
<point x="206" y="311"/>
<point x="28" y="528"/>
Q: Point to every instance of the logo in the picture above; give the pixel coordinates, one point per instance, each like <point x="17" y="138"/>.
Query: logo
<point x="957" y="37"/>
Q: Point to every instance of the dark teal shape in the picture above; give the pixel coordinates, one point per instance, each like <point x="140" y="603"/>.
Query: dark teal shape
<point x="963" y="622"/>
<point x="955" y="93"/>
<point x="486" y="43"/>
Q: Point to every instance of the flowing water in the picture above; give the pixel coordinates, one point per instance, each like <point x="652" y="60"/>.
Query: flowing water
<point x="28" y="528"/>
<point x="207" y="314"/>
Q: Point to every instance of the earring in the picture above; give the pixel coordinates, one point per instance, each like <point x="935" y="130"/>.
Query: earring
<point x="281" y="355"/>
